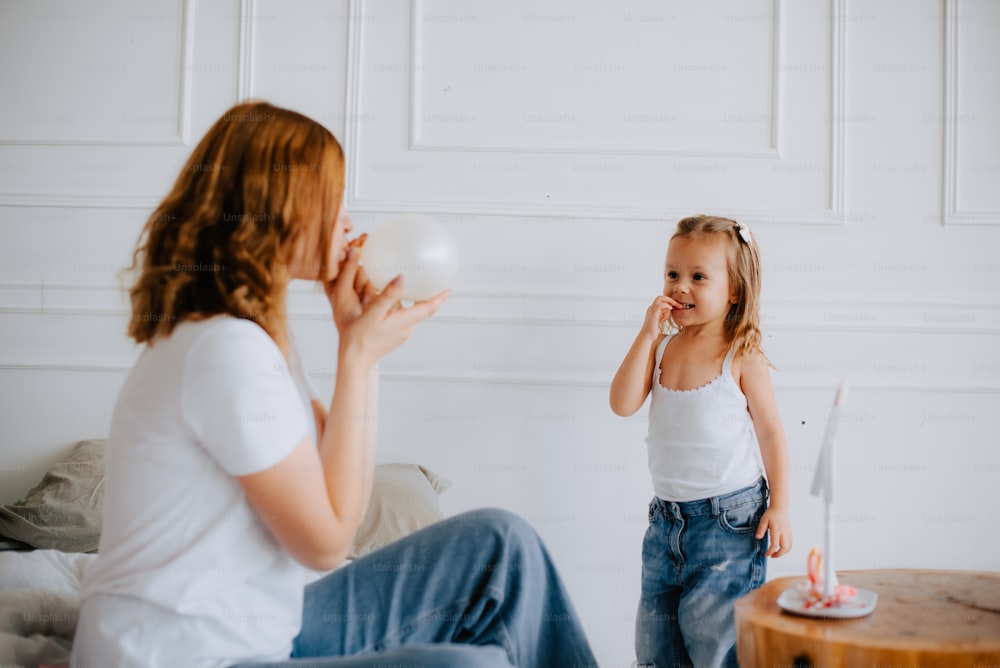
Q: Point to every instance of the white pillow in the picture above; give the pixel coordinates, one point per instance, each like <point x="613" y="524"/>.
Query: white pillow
<point x="404" y="500"/>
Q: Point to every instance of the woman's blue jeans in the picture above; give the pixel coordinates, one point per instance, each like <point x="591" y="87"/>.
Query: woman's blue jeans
<point x="477" y="590"/>
<point x="698" y="557"/>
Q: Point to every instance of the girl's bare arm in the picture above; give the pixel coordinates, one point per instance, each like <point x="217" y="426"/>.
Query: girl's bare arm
<point x="755" y="380"/>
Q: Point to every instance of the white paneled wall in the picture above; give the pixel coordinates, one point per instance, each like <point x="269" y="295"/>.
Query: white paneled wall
<point x="559" y="142"/>
<point x="601" y="113"/>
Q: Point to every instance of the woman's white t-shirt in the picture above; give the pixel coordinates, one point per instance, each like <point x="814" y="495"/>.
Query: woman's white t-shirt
<point x="187" y="574"/>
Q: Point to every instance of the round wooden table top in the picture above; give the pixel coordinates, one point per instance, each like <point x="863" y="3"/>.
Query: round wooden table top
<point x="922" y="618"/>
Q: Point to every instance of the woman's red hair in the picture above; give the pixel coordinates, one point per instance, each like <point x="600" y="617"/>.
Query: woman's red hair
<point x="257" y="186"/>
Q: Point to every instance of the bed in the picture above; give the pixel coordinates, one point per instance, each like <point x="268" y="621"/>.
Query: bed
<point x="50" y="536"/>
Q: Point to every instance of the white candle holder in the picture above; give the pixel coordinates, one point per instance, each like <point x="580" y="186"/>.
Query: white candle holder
<point x="824" y="596"/>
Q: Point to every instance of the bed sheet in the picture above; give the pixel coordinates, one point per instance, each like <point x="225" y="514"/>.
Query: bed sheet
<point x="39" y="600"/>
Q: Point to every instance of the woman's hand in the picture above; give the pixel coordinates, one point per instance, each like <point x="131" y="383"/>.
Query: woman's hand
<point x="372" y="324"/>
<point x="364" y="291"/>
<point x="657" y="314"/>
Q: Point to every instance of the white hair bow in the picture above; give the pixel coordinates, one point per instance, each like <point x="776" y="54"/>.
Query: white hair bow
<point x="744" y="232"/>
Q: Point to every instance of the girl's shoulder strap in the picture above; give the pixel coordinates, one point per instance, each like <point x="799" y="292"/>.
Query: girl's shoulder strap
<point x="727" y="362"/>
<point x="660" y="348"/>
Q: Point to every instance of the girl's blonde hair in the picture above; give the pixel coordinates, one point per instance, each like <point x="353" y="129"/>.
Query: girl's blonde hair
<point x="742" y="324"/>
<point x="260" y="181"/>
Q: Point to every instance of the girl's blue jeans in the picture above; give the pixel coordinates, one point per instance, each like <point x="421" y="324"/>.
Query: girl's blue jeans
<point x="477" y="590"/>
<point x="698" y="557"/>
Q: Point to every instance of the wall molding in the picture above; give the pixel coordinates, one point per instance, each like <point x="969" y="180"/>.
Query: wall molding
<point x="950" y="105"/>
<point x="248" y="33"/>
<point x="181" y="138"/>
<point x="352" y="99"/>
<point x="79" y="201"/>
<point x="505" y="209"/>
<point x="833" y="213"/>
<point x="952" y="214"/>
<point x="928" y="384"/>
<point x="244" y="84"/>
<point x="838" y="107"/>
<point x="416" y="68"/>
<point x="560" y="309"/>
<point x="548" y="310"/>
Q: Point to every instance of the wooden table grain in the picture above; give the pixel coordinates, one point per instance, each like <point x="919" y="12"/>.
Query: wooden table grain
<point x="923" y="619"/>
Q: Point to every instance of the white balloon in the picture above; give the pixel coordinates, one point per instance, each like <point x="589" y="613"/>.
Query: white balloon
<point x="421" y="250"/>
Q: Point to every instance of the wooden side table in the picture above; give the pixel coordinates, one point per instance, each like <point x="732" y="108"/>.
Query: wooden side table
<point x="924" y="619"/>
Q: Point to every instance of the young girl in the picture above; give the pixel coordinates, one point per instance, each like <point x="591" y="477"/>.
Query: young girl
<point x="224" y="476"/>
<point x="712" y="405"/>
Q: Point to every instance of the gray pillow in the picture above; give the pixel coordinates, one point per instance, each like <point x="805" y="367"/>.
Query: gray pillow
<point x="63" y="511"/>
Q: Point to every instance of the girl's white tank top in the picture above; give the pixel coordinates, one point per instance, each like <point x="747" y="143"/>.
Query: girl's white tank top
<point x="701" y="442"/>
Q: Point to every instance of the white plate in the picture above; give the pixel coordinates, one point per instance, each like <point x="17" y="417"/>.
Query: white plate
<point x="792" y="600"/>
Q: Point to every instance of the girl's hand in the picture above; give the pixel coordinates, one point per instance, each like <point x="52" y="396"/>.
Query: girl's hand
<point x="372" y="324"/>
<point x="777" y="523"/>
<point x="657" y="314"/>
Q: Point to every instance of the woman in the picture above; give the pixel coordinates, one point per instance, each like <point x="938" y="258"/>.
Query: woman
<point x="224" y="479"/>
